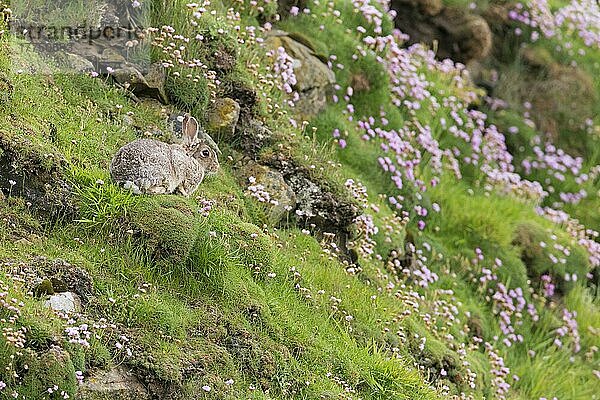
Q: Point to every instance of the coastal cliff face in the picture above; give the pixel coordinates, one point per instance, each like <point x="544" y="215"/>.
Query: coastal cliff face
<point x="406" y="206"/>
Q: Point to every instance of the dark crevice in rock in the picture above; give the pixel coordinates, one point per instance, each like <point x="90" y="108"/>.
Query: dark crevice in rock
<point x="460" y="35"/>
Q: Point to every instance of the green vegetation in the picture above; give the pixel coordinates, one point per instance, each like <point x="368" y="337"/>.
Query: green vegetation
<point x="219" y="304"/>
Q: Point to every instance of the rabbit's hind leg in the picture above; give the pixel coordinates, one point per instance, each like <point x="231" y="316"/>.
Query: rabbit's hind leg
<point x="183" y="191"/>
<point x="187" y="187"/>
<point x="152" y="185"/>
<point x="156" y="190"/>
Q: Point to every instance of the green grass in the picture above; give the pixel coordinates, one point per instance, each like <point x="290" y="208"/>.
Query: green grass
<point x="205" y="299"/>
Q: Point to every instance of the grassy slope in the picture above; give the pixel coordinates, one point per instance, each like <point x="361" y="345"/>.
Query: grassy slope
<point x="212" y="312"/>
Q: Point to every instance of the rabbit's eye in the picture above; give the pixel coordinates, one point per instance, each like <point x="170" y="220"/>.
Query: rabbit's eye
<point x="205" y="153"/>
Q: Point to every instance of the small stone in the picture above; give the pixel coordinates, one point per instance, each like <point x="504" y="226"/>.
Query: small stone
<point x="65" y="302"/>
<point x="23" y="242"/>
<point x="127" y="120"/>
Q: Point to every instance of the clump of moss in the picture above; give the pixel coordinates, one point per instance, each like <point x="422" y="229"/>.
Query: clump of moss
<point x="50" y="370"/>
<point x="167" y="225"/>
<point x="542" y="254"/>
<point x="16" y="221"/>
<point x="243" y="239"/>
<point x="260" y="358"/>
<point x="35" y="172"/>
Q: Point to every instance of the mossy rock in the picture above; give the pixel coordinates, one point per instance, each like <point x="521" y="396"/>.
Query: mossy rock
<point x="244" y="239"/>
<point x="167" y="225"/>
<point x="537" y="58"/>
<point x="262" y="359"/>
<point x="52" y="368"/>
<point x="528" y="237"/>
<point x="34" y="172"/>
<point x="536" y="247"/>
<point x="19" y="223"/>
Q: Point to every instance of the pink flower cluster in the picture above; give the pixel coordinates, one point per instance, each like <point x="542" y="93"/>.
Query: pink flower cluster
<point x="371" y="13"/>
<point x="509" y="304"/>
<point x="586" y="238"/>
<point x="499" y="371"/>
<point x="547" y="286"/>
<point x="570" y="330"/>
<point x="580" y="18"/>
<point x="418" y="270"/>
<point x="259" y="192"/>
<point x="283" y="66"/>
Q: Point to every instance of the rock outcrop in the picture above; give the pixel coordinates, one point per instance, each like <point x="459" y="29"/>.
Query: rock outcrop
<point x="458" y="34"/>
<point x="151" y="84"/>
<point x="282" y="198"/>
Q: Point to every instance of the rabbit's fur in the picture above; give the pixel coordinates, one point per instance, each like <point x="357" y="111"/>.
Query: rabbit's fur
<point x="154" y="167"/>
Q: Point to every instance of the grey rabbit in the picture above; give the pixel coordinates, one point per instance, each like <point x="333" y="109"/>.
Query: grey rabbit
<point x="154" y="167"/>
<point x="175" y="124"/>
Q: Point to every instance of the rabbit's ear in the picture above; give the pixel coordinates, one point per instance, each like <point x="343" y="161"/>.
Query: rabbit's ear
<point x="189" y="128"/>
<point x="205" y="137"/>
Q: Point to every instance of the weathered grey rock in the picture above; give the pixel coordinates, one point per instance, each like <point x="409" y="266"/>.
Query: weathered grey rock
<point x="112" y="56"/>
<point x="64" y="302"/>
<point x="314" y="78"/>
<point x="150" y="85"/>
<point x="320" y="206"/>
<point x="128" y="76"/>
<point x="155" y="83"/>
<point x="114" y="384"/>
<point x="282" y="196"/>
<point x="252" y="135"/>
